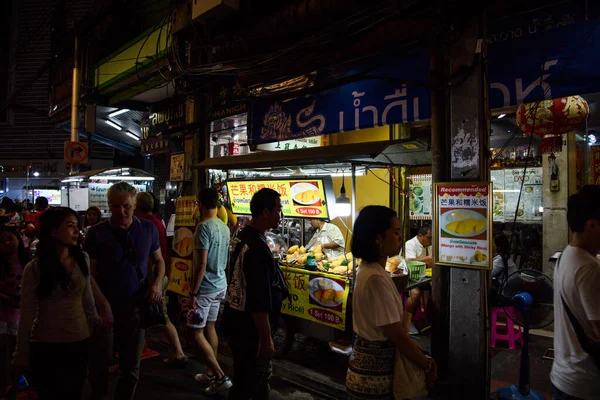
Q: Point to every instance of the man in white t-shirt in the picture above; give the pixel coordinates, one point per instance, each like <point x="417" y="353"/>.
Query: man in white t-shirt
<point x="577" y="282"/>
<point x="417" y="249"/>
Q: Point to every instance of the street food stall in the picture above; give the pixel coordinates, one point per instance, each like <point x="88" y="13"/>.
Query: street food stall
<point x="321" y="288"/>
<point x="82" y="190"/>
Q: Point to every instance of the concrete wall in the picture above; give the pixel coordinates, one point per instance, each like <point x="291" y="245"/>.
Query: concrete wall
<point x="555" y="230"/>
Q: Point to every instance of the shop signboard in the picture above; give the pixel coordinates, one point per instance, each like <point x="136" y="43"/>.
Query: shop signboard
<point x="180" y="275"/>
<point x="155" y="145"/>
<point x="300" y="198"/>
<point x="595" y="164"/>
<point x="167" y="115"/>
<point x="177" y="168"/>
<point x="97" y="194"/>
<point x="420" y="200"/>
<point x="556" y="52"/>
<point x="302" y="143"/>
<point x="316" y="296"/>
<point x="463" y="225"/>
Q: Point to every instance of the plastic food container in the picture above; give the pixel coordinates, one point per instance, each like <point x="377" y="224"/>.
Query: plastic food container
<point x="416" y="270"/>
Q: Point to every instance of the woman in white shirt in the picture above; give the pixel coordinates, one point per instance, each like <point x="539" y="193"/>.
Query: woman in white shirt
<point x="57" y="309"/>
<point x="377" y="310"/>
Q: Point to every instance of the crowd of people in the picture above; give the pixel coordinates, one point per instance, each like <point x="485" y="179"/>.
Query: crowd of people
<point x="67" y="309"/>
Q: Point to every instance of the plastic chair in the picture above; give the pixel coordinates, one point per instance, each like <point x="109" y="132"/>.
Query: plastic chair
<point x="513" y="332"/>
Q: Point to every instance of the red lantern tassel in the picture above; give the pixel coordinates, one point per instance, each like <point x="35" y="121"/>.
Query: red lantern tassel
<point x="551" y="144"/>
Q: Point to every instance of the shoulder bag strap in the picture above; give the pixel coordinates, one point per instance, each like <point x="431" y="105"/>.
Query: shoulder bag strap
<point x="583" y="341"/>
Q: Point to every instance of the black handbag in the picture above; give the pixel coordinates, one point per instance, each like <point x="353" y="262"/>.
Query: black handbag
<point x="590" y="347"/>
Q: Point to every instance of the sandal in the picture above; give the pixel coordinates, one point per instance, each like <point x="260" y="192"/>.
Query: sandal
<point x="176" y="362"/>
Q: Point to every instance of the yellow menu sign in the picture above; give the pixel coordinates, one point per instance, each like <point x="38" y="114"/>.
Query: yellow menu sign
<point x="316" y="296"/>
<point x="300" y="198"/>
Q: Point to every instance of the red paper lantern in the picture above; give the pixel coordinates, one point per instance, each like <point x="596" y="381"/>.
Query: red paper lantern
<point x="551" y="118"/>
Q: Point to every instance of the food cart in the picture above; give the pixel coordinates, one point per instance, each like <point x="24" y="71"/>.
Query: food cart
<point x="311" y="312"/>
<point x="82" y="190"/>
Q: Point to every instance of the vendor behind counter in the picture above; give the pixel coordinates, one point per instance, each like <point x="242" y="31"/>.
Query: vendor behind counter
<point x="329" y="237"/>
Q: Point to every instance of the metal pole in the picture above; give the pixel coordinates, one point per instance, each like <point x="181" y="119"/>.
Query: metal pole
<point x="75" y="93"/>
<point x="353" y="195"/>
<point x="440" y="323"/>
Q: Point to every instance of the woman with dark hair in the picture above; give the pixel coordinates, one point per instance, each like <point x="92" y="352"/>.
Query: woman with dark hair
<point x="377" y="314"/>
<point x="502" y="264"/>
<point x="57" y="309"/>
<point x="12" y="261"/>
<point x="93" y="215"/>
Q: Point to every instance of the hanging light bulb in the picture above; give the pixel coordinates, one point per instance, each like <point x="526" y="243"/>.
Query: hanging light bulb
<point x="342" y="202"/>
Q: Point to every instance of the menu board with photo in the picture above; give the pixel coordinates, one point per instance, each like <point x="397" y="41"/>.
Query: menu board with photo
<point x="507" y="186"/>
<point x="180" y="273"/>
<point x="421" y="201"/>
<point x="300" y="198"/>
<point x="316" y="296"/>
<point x="462" y="225"/>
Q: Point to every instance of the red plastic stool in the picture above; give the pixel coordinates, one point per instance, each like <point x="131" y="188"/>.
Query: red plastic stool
<point x="513" y="332"/>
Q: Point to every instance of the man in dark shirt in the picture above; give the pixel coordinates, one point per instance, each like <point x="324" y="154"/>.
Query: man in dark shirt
<point x="254" y="299"/>
<point x="119" y="251"/>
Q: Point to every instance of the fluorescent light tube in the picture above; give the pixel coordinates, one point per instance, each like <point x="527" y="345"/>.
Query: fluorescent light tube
<point x="109" y="122"/>
<point x="131" y="135"/>
<point x="118" y="112"/>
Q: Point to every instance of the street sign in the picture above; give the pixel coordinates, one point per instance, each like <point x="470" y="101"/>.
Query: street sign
<point x="76" y="152"/>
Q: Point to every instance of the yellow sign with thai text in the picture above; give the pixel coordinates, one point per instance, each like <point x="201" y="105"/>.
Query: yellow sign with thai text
<point x="184" y="211"/>
<point x="300" y="198"/>
<point x="317" y="297"/>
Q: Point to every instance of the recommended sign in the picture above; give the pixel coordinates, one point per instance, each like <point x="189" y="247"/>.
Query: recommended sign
<point x="180" y="273"/>
<point x="317" y="297"/>
<point x="463" y="225"/>
<point x="302" y="198"/>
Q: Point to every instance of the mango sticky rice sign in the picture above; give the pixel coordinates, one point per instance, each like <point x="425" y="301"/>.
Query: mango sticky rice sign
<point x="300" y="198"/>
<point x="463" y="222"/>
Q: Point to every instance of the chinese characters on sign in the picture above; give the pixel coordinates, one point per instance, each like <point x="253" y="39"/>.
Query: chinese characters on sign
<point x="180" y="274"/>
<point x="155" y="145"/>
<point x="299" y="198"/>
<point x="462" y="219"/>
<point x="317" y="297"/>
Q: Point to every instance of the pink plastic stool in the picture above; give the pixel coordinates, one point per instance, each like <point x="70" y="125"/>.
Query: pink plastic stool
<point x="513" y="332"/>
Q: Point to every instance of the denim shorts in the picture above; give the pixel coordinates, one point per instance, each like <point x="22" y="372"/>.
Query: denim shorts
<point x="205" y="310"/>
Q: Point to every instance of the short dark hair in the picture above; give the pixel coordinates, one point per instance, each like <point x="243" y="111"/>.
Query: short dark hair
<point x="264" y="199"/>
<point x="209" y="198"/>
<point x="583" y="206"/>
<point x="42" y="202"/>
<point x="502" y="243"/>
<point x="424" y="230"/>
<point x="371" y="221"/>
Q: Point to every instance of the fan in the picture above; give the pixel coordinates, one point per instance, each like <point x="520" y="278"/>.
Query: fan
<point x="528" y="300"/>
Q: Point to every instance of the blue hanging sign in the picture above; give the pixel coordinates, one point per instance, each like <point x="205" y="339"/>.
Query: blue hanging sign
<point x="560" y="45"/>
<point x="364" y="104"/>
<point x="550" y="53"/>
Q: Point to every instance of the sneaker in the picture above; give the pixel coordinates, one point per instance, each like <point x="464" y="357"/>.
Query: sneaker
<point x="413" y="329"/>
<point x="204" y="379"/>
<point x="218" y="386"/>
